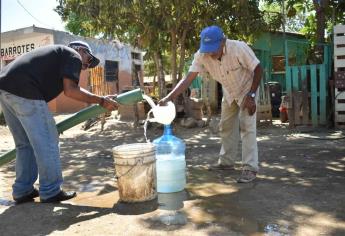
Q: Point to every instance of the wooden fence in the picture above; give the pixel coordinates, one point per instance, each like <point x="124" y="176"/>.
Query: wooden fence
<point x="339" y="74"/>
<point x="264" y="107"/>
<point x="307" y="91"/>
<point x="97" y="84"/>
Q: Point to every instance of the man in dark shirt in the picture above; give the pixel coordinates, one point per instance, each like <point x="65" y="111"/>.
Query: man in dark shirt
<point x="26" y="85"/>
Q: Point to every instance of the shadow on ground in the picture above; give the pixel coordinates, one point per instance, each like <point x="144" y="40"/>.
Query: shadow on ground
<point x="44" y="219"/>
<point x="299" y="190"/>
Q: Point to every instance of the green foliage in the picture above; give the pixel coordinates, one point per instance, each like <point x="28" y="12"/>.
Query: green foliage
<point x="302" y="15"/>
<point x="169" y="28"/>
<point x="272" y="15"/>
<point x="295" y="15"/>
<point x="80" y="26"/>
<point x="150" y="67"/>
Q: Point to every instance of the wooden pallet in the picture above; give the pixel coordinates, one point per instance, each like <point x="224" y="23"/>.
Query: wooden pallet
<point x="264" y="113"/>
<point x="339" y="107"/>
<point x="339" y="68"/>
<point x="264" y="107"/>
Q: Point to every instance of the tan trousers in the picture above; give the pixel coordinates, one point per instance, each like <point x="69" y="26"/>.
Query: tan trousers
<point x="235" y="123"/>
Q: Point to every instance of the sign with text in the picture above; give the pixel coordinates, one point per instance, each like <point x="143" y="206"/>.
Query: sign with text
<point x="12" y="49"/>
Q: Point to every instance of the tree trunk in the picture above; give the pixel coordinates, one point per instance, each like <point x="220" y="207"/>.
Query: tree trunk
<point x="160" y="72"/>
<point x="182" y="54"/>
<point x="320" y="8"/>
<point x="173" y="57"/>
<point x="154" y="83"/>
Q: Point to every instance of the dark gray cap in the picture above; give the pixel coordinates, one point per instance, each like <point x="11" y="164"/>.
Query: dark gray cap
<point x="84" y="45"/>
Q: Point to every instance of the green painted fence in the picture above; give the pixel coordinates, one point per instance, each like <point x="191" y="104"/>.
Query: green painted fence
<point x="307" y="89"/>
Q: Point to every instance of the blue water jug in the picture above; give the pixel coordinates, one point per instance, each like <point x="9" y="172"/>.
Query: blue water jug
<point x="170" y="162"/>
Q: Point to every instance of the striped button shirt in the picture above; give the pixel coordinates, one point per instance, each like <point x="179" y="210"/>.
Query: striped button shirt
<point x="234" y="71"/>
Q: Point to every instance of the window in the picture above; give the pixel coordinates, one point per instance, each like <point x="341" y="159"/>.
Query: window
<point x="136" y="75"/>
<point x="111" y="71"/>
<point x="278" y="63"/>
<point x="136" y="55"/>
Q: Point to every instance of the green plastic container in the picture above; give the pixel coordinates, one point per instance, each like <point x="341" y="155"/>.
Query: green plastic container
<point x="127" y="98"/>
<point x="130" y="97"/>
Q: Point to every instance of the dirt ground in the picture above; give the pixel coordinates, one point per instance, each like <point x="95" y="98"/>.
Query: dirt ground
<point x="299" y="190"/>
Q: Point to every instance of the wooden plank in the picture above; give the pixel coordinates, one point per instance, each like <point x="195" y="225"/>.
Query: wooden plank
<point x="305" y="93"/>
<point x="339" y="51"/>
<point x="327" y="60"/>
<point x="323" y="94"/>
<point x="330" y="56"/>
<point x="297" y="100"/>
<point x="339" y="94"/>
<point x="92" y="74"/>
<point x="339" y="63"/>
<point x="339" y="117"/>
<point x="313" y="81"/>
<point x="290" y="96"/>
<point x="262" y="93"/>
<point x="339" y="106"/>
<point x="288" y="80"/>
<point x="264" y="106"/>
<point x="339" y="29"/>
<point x="339" y="40"/>
<point x="295" y="79"/>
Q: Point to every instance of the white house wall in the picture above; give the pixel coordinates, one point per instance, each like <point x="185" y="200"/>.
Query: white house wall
<point x="103" y="49"/>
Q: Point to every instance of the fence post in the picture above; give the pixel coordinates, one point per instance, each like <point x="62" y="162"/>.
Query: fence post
<point x="313" y="82"/>
<point x="322" y="94"/>
<point x="305" y="95"/>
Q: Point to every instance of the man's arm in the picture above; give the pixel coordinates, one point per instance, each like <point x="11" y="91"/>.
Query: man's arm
<point x="71" y="89"/>
<point x="180" y="87"/>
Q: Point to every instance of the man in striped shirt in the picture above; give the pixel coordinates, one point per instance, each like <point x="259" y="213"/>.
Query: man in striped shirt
<point x="234" y="65"/>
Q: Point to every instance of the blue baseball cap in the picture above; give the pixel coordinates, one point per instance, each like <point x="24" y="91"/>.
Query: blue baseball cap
<point x="210" y="39"/>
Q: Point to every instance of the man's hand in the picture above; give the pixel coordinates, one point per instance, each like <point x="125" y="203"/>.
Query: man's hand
<point x="249" y="103"/>
<point x="164" y="101"/>
<point x="181" y="86"/>
<point x="112" y="96"/>
<point x="108" y="103"/>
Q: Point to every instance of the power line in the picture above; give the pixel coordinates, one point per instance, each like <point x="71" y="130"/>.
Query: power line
<point x="32" y="15"/>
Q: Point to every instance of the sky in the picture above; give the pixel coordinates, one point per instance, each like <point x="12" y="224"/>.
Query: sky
<point x="14" y="16"/>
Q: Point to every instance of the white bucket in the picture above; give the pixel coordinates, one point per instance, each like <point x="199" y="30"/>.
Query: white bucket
<point x="135" y="167"/>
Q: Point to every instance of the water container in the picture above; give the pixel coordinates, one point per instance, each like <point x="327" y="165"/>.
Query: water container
<point x="170" y="162"/>
<point x="136" y="171"/>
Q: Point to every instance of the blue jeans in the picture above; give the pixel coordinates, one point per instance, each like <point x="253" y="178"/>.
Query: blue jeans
<point x="37" y="145"/>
